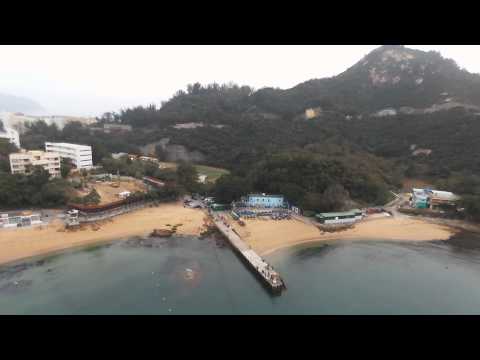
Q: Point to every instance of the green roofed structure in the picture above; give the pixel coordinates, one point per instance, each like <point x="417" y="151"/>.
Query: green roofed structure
<point x="220" y="207"/>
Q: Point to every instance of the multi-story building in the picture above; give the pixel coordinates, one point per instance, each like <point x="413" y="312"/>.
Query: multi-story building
<point x="11" y="135"/>
<point x="80" y="155"/>
<point x="22" y="162"/>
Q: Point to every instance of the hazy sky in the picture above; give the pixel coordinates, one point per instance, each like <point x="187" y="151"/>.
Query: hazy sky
<point x="89" y="80"/>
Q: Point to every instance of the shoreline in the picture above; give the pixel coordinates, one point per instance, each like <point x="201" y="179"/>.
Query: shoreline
<point x="33" y="242"/>
<point x="318" y="241"/>
<point x="265" y="237"/>
<point x="33" y="258"/>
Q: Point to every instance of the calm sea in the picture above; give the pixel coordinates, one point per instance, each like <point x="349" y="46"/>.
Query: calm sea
<point x="151" y="277"/>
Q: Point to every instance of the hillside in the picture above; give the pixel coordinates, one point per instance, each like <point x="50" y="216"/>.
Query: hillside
<point x="397" y="113"/>
<point x="11" y="103"/>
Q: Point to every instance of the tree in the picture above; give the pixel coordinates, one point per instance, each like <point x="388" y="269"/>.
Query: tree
<point x="6" y="148"/>
<point x="32" y="190"/>
<point x="312" y="201"/>
<point x="334" y="198"/>
<point x="39" y="176"/>
<point x="160" y="153"/>
<point x="229" y="188"/>
<point x="99" y="152"/>
<point x="187" y="176"/>
<point x="292" y="192"/>
<point x="65" y="167"/>
<point x="93" y="198"/>
<point x="471" y="204"/>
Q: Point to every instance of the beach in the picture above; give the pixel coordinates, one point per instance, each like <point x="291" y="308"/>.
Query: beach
<point x="266" y="236"/>
<point x="17" y="244"/>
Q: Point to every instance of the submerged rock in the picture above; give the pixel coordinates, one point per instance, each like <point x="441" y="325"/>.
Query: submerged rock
<point x="189" y="274"/>
<point x="138" y="242"/>
<point x="162" y="233"/>
<point x="15" y="286"/>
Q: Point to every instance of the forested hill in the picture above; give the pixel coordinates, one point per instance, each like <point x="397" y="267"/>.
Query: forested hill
<point x="391" y="103"/>
<point x="395" y="77"/>
<point x="396" y="113"/>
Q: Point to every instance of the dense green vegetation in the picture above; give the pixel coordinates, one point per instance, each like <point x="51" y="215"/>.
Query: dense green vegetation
<point x="92" y="198"/>
<point x="126" y="167"/>
<point x="312" y="181"/>
<point x="66" y="167"/>
<point x="39" y="190"/>
<point x="6" y="148"/>
<point x="35" y="190"/>
<point x="343" y="157"/>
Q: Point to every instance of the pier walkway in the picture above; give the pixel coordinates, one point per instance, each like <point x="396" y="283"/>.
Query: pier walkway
<point x="270" y="278"/>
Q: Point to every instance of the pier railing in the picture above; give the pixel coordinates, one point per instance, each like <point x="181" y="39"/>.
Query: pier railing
<point x="269" y="277"/>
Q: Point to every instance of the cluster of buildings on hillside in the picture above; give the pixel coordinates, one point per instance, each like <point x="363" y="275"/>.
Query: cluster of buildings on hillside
<point x="420" y="199"/>
<point x="432" y="199"/>
<point x="19" y="120"/>
<point x="135" y="157"/>
<point x="21" y="162"/>
<point x="80" y="157"/>
<point x="113" y="128"/>
<point x="253" y="205"/>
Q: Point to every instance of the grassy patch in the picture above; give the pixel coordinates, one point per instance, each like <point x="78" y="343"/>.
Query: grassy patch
<point x="212" y="173"/>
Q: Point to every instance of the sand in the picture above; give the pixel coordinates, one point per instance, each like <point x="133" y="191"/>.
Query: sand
<point x="108" y="193"/>
<point x="266" y="236"/>
<point x="16" y="244"/>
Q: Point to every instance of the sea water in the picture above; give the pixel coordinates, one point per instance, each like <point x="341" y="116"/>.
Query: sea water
<point x="189" y="275"/>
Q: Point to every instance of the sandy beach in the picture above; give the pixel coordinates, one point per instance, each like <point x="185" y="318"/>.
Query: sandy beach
<point x="268" y="236"/>
<point x="264" y="236"/>
<point x="16" y="244"/>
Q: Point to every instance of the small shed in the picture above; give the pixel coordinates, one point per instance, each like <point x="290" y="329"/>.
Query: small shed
<point x="124" y="194"/>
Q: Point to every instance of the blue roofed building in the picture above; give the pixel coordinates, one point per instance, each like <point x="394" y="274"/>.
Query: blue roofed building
<point x="265" y="200"/>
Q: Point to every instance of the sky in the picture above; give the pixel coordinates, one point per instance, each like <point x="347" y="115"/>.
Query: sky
<point x="90" y="80"/>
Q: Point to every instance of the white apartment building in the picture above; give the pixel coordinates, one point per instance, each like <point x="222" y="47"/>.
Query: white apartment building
<point x="21" y="162"/>
<point x="11" y="135"/>
<point x="81" y="155"/>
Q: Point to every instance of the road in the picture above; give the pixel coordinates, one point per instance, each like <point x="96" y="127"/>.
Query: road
<point x="392" y="206"/>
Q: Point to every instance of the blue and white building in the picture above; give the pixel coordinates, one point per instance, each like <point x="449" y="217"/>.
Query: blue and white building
<point x="429" y="199"/>
<point x="265" y="201"/>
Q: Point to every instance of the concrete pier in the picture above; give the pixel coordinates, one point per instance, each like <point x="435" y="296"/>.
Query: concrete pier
<point x="269" y="277"/>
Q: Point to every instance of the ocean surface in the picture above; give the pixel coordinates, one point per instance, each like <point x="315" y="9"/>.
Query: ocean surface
<point x="188" y="275"/>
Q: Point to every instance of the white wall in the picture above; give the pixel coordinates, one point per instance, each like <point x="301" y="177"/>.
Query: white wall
<point x="81" y="155"/>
